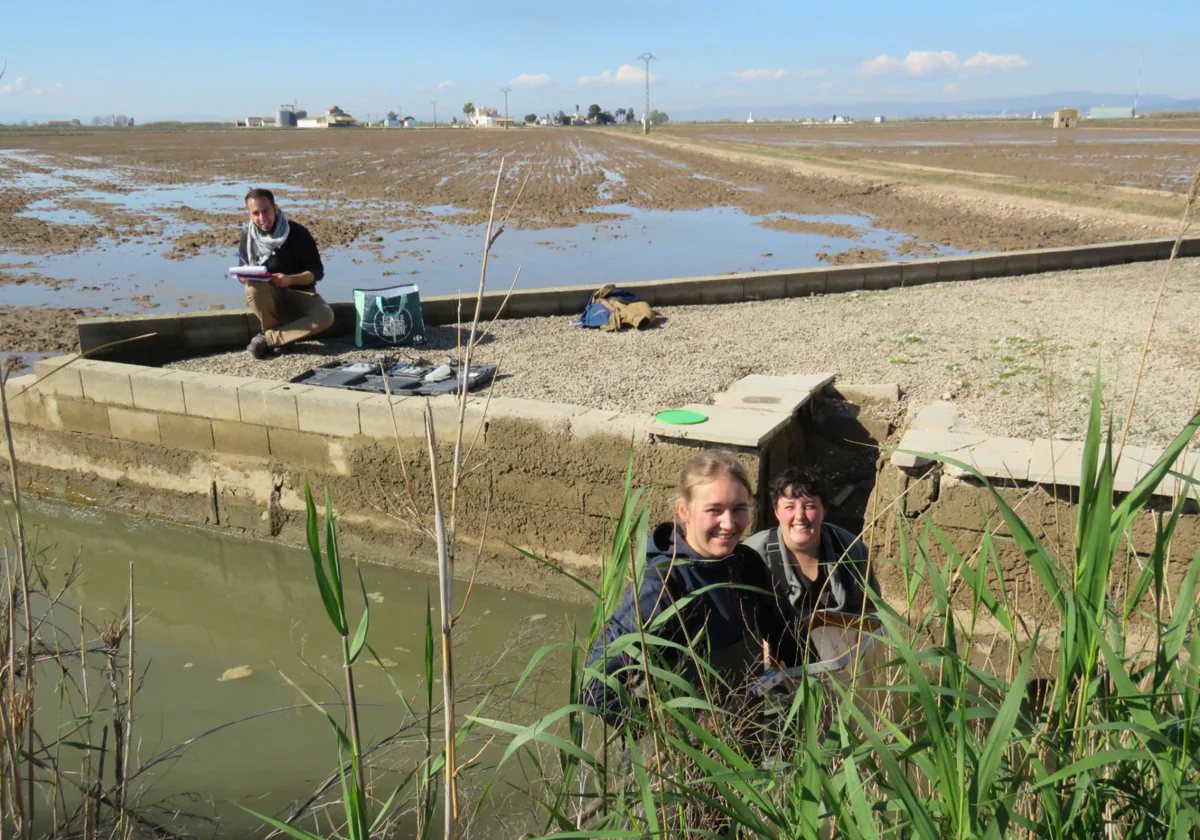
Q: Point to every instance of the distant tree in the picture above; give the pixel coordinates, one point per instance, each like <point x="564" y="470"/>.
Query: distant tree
<point x="658" y="117"/>
<point x="630" y="115"/>
<point x="619" y="114"/>
<point x="531" y="118"/>
<point x="392" y="115"/>
<point x="605" y="118"/>
<point x="593" y="113"/>
<point x="468" y="108"/>
<point x="562" y="119"/>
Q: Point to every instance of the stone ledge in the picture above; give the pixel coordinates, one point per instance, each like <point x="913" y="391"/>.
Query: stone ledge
<point x="937" y="430"/>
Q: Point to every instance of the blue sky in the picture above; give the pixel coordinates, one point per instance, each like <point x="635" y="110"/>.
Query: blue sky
<point x="231" y="59"/>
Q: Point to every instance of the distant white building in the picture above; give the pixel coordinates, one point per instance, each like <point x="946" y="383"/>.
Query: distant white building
<point x="750" y="119"/>
<point x="483" y="118"/>
<point x="881" y="119"/>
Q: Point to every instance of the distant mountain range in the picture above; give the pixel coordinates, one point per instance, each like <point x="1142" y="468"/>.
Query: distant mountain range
<point x="1043" y="103"/>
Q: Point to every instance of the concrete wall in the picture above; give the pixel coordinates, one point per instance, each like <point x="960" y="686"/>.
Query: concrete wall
<point x="233" y="452"/>
<point x="1038" y="479"/>
<point x="176" y="336"/>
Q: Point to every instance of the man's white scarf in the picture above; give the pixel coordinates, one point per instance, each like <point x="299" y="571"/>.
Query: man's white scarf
<point x="260" y="246"/>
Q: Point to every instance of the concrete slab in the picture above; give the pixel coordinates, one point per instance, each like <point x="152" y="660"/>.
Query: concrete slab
<point x="180" y="431"/>
<point x="270" y="403"/>
<point x="85" y="416"/>
<point x="881" y="275"/>
<point x="375" y="417"/>
<point x="59" y="375"/>
<point x="300" y="449"/>
<point x="953" y="269"/>
<point x="108" y="382"/>
<point x="733" y="426"/>
<point x="1056" y="462"/>
<point x="329" y="411"/>
<point x="999" y="458"/>
<point x="840" y="280"/>
<point x="156" y="389"/>
<point x="722" y="290"/>
<point x="129" y="424"/>
<point x="812" y="281"/>
<point x="918" y="273"/>
<point x="19" y="393"/>
<point x="1135" y="462"/>
<point x="597" y="421"/>
<point x="773" y="393"/>
<point x="213" y="395"/>
<point x="240" y="439"/>
<point x="937" y="416"/>
<point x="989" y="266"/>
<point x="955" y="445"/>
<point x="767" y="286"/>
<point x="554" y="416"/>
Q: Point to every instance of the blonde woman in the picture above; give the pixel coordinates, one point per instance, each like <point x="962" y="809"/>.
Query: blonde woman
<point x="724" y="611"/>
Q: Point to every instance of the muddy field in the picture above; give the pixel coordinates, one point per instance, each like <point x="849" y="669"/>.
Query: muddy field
<point x="1160" y="156"/>
<point x="127" y="221"/>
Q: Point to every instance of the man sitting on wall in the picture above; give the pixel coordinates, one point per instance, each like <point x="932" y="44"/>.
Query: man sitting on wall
<point x="286" y="301"/>
<point x="814" y="564"/>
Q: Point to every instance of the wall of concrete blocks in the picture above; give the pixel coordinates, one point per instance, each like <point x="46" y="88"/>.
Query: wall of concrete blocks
<point x="179" y="335"/>
<point x="234" y="453"/>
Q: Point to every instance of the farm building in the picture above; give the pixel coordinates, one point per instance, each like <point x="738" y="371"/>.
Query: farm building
<point x="1066" y="117"/>
<point x="1104" y="112"/>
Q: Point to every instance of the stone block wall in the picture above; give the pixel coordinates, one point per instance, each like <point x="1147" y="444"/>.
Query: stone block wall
<point x="234" y="452"/>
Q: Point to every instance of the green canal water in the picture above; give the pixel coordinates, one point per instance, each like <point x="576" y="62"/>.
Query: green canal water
<point x="207" y="603"/>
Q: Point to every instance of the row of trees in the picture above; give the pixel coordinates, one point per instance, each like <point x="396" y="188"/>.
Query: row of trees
<point x="595" y="115"/>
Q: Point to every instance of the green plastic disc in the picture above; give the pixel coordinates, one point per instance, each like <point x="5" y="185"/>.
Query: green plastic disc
<point x="680" y="416"/>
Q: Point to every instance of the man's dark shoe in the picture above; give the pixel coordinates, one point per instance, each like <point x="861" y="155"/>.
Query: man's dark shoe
<point x="258" y="347"/>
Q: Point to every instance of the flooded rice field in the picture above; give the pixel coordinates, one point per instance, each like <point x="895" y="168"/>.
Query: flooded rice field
<point x="95" y="222"/>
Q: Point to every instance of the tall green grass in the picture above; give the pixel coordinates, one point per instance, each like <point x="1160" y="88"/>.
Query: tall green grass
<point x="932" y="739"/>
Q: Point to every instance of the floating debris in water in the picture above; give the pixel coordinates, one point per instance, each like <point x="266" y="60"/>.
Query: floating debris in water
<point x="384" y="662"/>
<point x="537" y="616"/>
<point x="187" y="664"/>
<point x="238" y="673"/>
<point x="375" y="597"/>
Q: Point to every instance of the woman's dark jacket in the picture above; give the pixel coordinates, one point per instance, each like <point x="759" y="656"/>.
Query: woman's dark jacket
<point x="739" y="610"/>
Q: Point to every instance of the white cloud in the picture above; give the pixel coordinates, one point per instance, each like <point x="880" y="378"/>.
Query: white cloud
<point x="776" y="75"/>
<point x="626" y="74"/>
<point x="445" y="85"/>
<point x="986" y="62"/>
<point x="14" y="86"/>
<point x="828" y="85"/>
<point x="533" y="79"/>
<point x="760" y="75"/>
<point x="928" y="63"/>
<point x="951" y="88"/>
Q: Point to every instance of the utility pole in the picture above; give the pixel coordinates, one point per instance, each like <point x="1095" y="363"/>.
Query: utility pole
<point x="1138" y="90"/>
<point x="434" y="103"/>
<point x="505" y="92"/>
<point x="647" y="58"/>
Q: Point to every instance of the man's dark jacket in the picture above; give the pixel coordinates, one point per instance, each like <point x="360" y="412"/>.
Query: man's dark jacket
<point x="296" y="255"/>
<point x="722" y="618"/>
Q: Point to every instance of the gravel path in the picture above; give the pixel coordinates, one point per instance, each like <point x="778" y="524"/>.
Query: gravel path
<point x="1016" y="354"/>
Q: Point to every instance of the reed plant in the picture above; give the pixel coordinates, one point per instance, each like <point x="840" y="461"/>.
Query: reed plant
<point x="1087" y="727"/>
